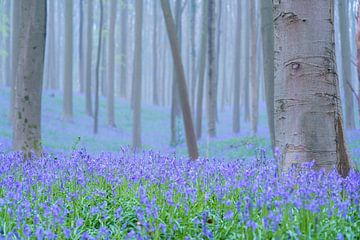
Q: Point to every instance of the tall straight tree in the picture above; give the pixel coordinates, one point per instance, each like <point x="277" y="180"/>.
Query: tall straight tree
<point x="174" y="88"/>
<point x="81" y="46"/>
<point x="111" y="63"/>
<point x="97" y="67"/>
<point x="124" y="55"/>
<point x="253" y="68"/>
<point x="89" y="33"/>
<point x="237" y="79"/>
<point x="68" y="62"/>
<point x="343" y="8"/>
<point x="211" y="86"/>
<point x="183" y="94"/>
<point x="307" y="103"/>
<point x="202" y="65"/>
<point x="155" y="57"/>
<point x="267" y="31"/>
<point x="137" y="74"/>
<point x="50" y="52"/>
<point x="29" y="75"/>
<point x="193" y="52"/>
<point x="15" y="46"/>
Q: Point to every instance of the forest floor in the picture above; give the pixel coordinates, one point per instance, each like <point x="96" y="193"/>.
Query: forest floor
<point x="108" y="192"/>
<point x="61" y="136"/>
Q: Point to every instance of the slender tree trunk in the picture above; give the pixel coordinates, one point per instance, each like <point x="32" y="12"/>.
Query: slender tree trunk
<point x="124" y="56"/>
<point x="343" y="7"/>
<point x="267" y="31"/>
<point x="103" y="60"/>
<point x="111" y="64"/>
<point x="307" y="104"/>
<point x="184" y="98"/>
<point x="137" y="75"/>
<point x="29" y="75"/>
<point x="254" y="78"/>
<point x="50" y="75"/>
<point x="218" y="47"/>
<point x="202" y="64"/>
<point x="237" y="79"/>
<point x="193" y="52"/>
<point x="358" y="55"/>
<point x="224" y="61"/>
<point x="246" y="59"/>
<point x="15" y="46"/>
<point x="155" y="58"/>
<point x="211" y="86"/>
<point x="7" y="58"/>
<point x="68" y="62"/>
<point x="174" y="89"/>
<point x="88" y="72"/>
<point x="97" y="69"/>
<point x="81" y="47"/>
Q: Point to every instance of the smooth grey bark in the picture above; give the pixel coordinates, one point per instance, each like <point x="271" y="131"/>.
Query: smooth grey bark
<point x="81" y="47"/>
<point x="137" y="86"/>
<point x="343" y="7"/>
<point x="175" y="112"/>
<point x="308" y="117"/>
<point x="211" y="86"/>
<point x="202" y="65"/>
<point x="15" y="46"/>
<point x="7" y="45"/>
<point x="358" y="56"/>
<point x="183" y="94"/>
<point x="193" y="52"/>
<point x="245" y="58"/>
<point x="103" y="58"/>
<point x="267" y="31"/>
<point x="68" y="62"/>
<point x="237" y="79"/>
<point x="155" y="96"/>
<point x="124" y="55"/>
<point x="111" y="64"/>
<point x="50" y="75"/>
<point x="97" y="67"/>
<point x="29" y="76"/>
<point x="253" y="69"/>
<point x="88" y="68"/>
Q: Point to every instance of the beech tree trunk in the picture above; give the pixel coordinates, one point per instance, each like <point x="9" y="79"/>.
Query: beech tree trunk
<point x="308" y="121"/>
<point x="68" y="62"/>
<point x="253" y="67"/>
<point x="358" y="55"/>
<point x="81" y="47"/>
<point x="245" y="58"/>
<point x="15" y="46"/>
<point x="237" y="79"/>
<point x="211" y="86"/>
<point x="343" y="8"/>
<point x="88" y="68"/>
<point x="193" y="52"/>
<point x="184" y="98"/>
<point x="137" y="75"/>
<point x="111" y="63"/>
<point x="175" y="112"/>
<point x="97" y="68"/>
<point x="202" y="64"/>
<point x="29" y="76"/>
<point x="267" y="31"/>
<point x="155" y="92"/>
<point x="123" y="47"/>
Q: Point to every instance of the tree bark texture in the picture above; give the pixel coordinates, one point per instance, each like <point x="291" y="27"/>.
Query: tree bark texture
<point x="308" y="121"/>
<point x="184" y="98"/>
<point x="29" y="76"/>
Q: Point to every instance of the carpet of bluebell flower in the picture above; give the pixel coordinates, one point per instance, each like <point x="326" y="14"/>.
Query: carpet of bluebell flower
<point x="149" y="195"/>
